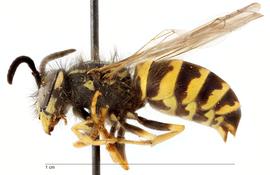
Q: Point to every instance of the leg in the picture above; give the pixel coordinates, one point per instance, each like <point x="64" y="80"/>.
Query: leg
<point x="87" y="134"/>
<point x="116" y="150"/>
<point x="93" y="107"/>
<point x="155" y="124"/>
<point x="155" y="139"/>
<point x="151" y="138"/>
<point x="88" y="131"/>
<point x="104" y="133"/>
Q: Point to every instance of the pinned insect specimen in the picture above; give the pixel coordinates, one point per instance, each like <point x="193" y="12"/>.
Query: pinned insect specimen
<point x="101" y="92"/>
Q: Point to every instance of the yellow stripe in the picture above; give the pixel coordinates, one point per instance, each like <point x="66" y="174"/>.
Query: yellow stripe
<point x="219" y="120"/>
<point x="227" y="108"/>
<point x="51" y="105"/>
<point x="171" y="103"/>
<point x="167" y="84"/>
<point x="195" y="86"/>
<point x="192" y="108"/>
<point x="217" y="126"/>
<point x="142" y="72"/>
<point x="59" y="80"/>
<point x="210" y="117"/>
<point x="215" y="97"/>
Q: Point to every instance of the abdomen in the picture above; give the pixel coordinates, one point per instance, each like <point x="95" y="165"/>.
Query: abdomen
<point x="190" y="91"/>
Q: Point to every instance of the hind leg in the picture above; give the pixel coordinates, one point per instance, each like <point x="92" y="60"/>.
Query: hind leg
<point x="155" y="139"/>
<point x="152" y="138"/>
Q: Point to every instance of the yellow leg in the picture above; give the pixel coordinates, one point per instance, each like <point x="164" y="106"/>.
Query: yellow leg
<point x="93" y="106"/>
<point x="87" y="134"/>
<point x="155" y="139"/>
<point x="116" y="150"/>
<point x="152" y="138"/>
<point x="105" y="134"/>
<point x="88" y="131"/>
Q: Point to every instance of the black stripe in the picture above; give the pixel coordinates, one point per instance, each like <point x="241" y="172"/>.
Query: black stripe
<point x="181" y="111"/>
<point x="137" y="84"/>
<point x="158" y="105"/>
<point x="199" y="117"/>
<point x="187" y="73"/>
<point x="156" y="72"/>
<point x="212" y="82"/>
<point x="228" y="99"/>
<point x="233" y="118"/>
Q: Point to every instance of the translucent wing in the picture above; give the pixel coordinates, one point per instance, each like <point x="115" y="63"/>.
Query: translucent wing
<point x="170" y="43"/>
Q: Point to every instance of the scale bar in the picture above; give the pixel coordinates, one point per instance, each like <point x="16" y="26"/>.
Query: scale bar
<point x="151" y="164"/>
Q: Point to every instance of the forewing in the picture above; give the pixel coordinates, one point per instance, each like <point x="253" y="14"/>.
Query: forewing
<point x="171" y="43"/>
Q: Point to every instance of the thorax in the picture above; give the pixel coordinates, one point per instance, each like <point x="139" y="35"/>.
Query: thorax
<point x="118" y="94"/>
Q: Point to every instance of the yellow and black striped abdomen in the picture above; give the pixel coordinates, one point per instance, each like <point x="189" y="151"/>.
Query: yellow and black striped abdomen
<point x="184" y="89"/>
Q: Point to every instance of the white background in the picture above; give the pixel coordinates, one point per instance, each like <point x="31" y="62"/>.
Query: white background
<point x="37" y="28"/>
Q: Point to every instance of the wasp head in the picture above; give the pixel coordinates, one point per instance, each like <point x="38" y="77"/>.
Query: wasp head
<point x="51" y="102"/>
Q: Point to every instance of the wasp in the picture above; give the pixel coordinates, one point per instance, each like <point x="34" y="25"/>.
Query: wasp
<point x="109" y="94"/>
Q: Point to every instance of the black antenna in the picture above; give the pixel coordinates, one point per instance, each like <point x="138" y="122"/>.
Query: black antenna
<point x="23" y="59"/>
<point x="94" y="30"/>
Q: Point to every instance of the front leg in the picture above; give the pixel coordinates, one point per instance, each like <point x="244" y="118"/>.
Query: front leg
<point x="89" y="130"/>
<point x="87" y="133"/>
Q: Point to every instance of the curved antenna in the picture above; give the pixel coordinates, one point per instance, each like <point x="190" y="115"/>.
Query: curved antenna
<point x="51" y="57"/>
<point x="23" y="59"/>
